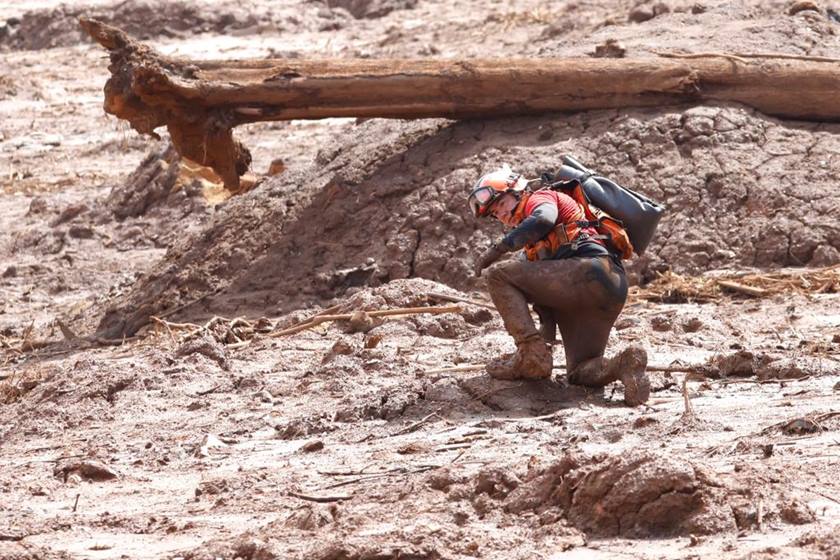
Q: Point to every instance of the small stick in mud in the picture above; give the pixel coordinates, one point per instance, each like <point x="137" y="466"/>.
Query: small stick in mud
<point x="321" y="499"/>
<point x="741" y="57"/>
<point x="688" y="415"/>
<point x="447" y="297"/>
<point x="25" y="338"/>
<point x="318" y="319"/>
<point x="417" y="425"/>
<point x="165" y="325"/>
<point x="759" y="516"/>
<point x="67" y="333"/>
<point x="76" y="503"/>
<point x="741" y="288"/>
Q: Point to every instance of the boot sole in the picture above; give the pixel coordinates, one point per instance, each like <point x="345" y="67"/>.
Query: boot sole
<point x="636" y="388"/>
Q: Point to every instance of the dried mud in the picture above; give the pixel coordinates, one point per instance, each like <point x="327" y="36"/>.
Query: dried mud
<point x="356" y="439"/>
<point x="730" y="204"/>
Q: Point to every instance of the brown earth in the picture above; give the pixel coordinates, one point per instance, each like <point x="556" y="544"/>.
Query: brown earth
<point x="215" y="443"/>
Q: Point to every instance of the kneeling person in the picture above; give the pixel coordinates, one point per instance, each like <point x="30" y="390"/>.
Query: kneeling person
<point x="573" y="280"/>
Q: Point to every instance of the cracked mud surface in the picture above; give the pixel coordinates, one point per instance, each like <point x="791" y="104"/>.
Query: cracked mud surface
<point x="198" y="447"/>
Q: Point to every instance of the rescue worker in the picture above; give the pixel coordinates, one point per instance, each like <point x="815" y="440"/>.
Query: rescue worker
<point x="573" y="280"/>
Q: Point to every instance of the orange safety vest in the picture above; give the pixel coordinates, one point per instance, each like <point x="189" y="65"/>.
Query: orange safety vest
<point x="608" y="228"/>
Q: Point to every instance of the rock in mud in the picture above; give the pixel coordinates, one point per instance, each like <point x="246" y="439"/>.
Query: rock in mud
<point x="739" y="364"/>
<point x="87" y="469"/>
<point x="692" y="324"/>
<point x="647" y="11"/>
<point x="80" y="232"/>
<point x="341" y="347"/>
<point x="207" y="346"/>
<point x="797" y="512"/>
<point x="786" y="368"/>
<point x="308" y="518"/>
<point x="369" y="9"/>
<point x="801" y="426"/>
<point x="496" y="483"/>
<point x="69" y="213"/>
<point x="312" y="446"/>
<point x="661" y="323"/>
<point x="475" y="315"/>
<point x="253" y="549"/>
<point x="611" y="48"/>
<point x="803" y="6"/>
<point x="360" y="322"/>
<point x="634" y="495"/>
<point x="442" y="326"/>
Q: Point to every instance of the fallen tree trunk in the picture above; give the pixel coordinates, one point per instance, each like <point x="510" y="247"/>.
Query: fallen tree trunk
<point x="200" y="102"/>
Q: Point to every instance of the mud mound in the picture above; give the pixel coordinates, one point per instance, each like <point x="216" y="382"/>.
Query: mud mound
<point x="59" y="27"/>
<point x="827" y="543"/>
<point x="640" y="495"/>
<point x="161" y="179"/>
<point x="402" y="185"/>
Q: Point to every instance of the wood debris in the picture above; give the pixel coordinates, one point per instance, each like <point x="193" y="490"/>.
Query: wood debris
<point x="678" y="288"/>
<point x="201" y="101"/>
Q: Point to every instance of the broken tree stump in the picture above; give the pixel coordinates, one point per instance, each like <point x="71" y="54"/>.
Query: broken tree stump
<point x="200" y="102"/>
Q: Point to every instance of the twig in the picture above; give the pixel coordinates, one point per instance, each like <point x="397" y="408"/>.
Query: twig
<point x="759" y="516"/>
<point x="308" y="320"/>
<point x="321" y="499"/>
<point x="76" y="503"/>
<point x="741" y="56"/>
<point x="166" y="326"/>
<point x="446" y="448"/>
<point x="13" y="538"/>
<point x="826" y="416"/>
<point x="190" y="303"/>
<point x="473" y="367"/>
<point x="689" y="409"/>
<point x="68" y="334"/>
<point x="172" y="325"/>
<point x="417" y="425"/>
<point x="817" y="492"/>
<point x="446" y="297"/>
<point x="318" y="319"/>
<point x="212" y="389"/>
<point x="25" y="338"/>
<point x="393" y="472"/>
<point x="704" y="55"/>
<point x="736" y="287"/>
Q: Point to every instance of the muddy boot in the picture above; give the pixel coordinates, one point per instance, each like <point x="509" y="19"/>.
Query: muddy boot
<point x="548" y="327"/>
<point x="628" y="366"/>
<point x="532" y="360"/>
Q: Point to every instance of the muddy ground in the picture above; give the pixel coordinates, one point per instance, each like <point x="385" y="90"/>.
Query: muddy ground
<point x="346" y="440"/>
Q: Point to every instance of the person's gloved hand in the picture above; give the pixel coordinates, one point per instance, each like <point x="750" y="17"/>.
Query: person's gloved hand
<point x="490" y="256"/>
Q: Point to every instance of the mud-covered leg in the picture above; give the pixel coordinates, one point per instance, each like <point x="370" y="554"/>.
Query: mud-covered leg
<point x="548" y="326"/>
<point x="533" y="358"/>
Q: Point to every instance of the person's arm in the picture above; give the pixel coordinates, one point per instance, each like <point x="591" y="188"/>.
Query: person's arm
<point x="531" y="229"/>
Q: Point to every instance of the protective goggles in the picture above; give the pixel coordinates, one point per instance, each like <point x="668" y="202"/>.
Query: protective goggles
<point x="481" y="199"/>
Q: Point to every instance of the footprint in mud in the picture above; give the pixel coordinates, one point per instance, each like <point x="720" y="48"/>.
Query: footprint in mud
<point x="542" y="396"/>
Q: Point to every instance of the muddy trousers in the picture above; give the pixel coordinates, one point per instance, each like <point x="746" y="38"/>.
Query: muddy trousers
<point x="584" y="296"/>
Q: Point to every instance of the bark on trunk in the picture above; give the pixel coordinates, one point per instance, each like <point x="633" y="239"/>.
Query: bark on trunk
<point x="200" y="102"/>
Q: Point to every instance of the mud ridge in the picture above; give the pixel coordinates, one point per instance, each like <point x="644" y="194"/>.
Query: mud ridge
<point x="404" y="186"/>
